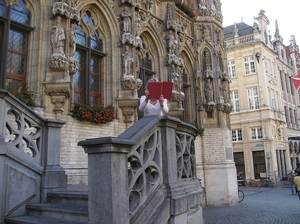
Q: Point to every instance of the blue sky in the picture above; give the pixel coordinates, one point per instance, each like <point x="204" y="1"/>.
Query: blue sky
<point x="287" y="15"/>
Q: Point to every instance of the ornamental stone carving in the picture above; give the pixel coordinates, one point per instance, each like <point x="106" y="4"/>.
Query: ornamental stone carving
<point x="209" y="91"/>
<point x="129" y="82"/>
<point x="128" y="107"/>
<point x="73" y="65"/>
<point x="59" y="62"/>
<point x="63" y="48"/>
<point x="58" y="102"/>
<point x="210" y="107"/>
<point x="62" y="8"/>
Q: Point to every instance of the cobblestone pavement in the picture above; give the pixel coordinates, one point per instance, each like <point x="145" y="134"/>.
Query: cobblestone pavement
<point x="260" y="205"/>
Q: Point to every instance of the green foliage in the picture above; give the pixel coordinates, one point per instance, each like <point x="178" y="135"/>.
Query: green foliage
<point x="97" y="114"/>
<point x="140" y="115"/>
<point x="24" y="95"/>
<point x="199" y="129"/>
<point x="186" y="9"/>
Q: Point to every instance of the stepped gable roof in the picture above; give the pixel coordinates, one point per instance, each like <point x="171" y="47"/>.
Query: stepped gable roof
<point x="243" y="30"/>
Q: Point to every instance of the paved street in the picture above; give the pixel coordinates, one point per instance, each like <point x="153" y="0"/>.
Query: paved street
<point x="260" y="205"/>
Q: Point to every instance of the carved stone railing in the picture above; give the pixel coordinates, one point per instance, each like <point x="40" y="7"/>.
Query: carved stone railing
<point x="29" y="156"/>
<point x="145" y="175"/>
<point x="246" y="39"/>
<point x="239" y="40"/>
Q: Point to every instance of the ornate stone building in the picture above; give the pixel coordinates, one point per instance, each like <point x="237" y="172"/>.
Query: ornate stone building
<point x="103" y="52"/>
<point x="264" y="117"/>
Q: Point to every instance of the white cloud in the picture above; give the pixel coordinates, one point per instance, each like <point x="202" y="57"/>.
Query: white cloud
<point x="286" y="13"/>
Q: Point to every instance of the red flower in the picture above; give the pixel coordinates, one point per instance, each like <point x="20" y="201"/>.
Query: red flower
<point x="97" y="113"/>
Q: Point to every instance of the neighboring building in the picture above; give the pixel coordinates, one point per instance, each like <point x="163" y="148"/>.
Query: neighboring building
<point x="103" y="52"/>
<point x="264" y="117"/>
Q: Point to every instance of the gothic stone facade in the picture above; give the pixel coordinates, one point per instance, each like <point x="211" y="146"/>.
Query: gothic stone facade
<point x="104" y="51"/>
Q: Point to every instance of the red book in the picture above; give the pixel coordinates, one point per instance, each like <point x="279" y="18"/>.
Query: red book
<point x="160" y="88"/>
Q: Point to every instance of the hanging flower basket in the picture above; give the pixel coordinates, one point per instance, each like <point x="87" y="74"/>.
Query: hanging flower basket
<point x="97" y="114"/>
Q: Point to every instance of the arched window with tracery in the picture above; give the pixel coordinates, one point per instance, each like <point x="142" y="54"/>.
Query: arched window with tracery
<point x="185" y="88"/>
<point x="221" y="65"/>
<point x="206" y="60"/>
<point x="146" y="71"/>
<point x="89" y="54"/>
<point x="15" y="30"/>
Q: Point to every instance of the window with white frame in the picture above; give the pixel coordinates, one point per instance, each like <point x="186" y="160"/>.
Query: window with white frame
<point x="256" y="133"/>
<point x="253" y="98"/>
<point x="237" y="135"/>
<point x="291" y="117"/>
<point x="231" y="68"/>
<point x="269" y="69"/>
<point x="234" y="95"/>
<point x="273" y="99"/>
<point x="296" y="119"/>
<point x="249" y="65"/>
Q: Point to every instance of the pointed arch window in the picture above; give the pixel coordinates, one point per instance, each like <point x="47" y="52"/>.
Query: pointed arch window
<point x="186" y="88"/>
<point x="15" y="29"/>
<point x="146" y="71"/>
<point x="2" y="8"/>
<point x="90" y="55"/>
<point x="206" y="60"/>
<point x="221" y="65"/>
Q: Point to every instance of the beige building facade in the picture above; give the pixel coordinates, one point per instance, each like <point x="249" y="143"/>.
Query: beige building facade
<point x="265" y="103"/>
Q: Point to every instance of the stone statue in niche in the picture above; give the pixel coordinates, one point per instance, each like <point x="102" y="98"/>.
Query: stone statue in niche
<point x="72" y="40"/>
<point x="208" y="88"/>
<point x="126" y="20"/>
<point x="137" y="65"/>
<point x="174" y="77"/>
<point x="127" y="61"/>
<point x="171" y="42"/>
<point x="58" y="37"/>
<point x="137" y="25"/>
<point x="180" y="73"/>
<point x="223" y="91"/>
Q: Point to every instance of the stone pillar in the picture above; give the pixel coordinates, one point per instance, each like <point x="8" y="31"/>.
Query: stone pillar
<point x="169" y="156"/>
<point x="54" y="178"/>
<point x="219" y="167"/>
<point x="108" y="179"/>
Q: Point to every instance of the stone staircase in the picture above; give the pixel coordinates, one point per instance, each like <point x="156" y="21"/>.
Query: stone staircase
<point x="65" y="207"/>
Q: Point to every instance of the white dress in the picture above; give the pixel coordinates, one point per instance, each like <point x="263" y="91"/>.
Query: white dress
<point x="150" y="109"/>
